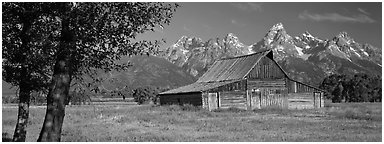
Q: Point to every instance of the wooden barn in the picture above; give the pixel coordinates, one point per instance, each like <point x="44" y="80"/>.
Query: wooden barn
<point x="249" y="82"/>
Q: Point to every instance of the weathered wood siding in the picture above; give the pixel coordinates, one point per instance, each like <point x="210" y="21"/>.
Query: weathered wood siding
<point x="302" y="96"/>
<point x="267" y="94"/>
<point x="296" y="87"/>
<point x="301" y="100"/>
<point x="240" y="85"/>
<point x="205" y="100"/>
<point x="273" y="98"/>
<point x="266" y="69"/>
<point x="183" y="98"/>
<point x="237" y="99"/>
<point x="319" y="99"/>
<point x="277" y="83"/>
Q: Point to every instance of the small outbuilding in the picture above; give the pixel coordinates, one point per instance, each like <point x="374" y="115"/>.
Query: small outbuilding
<point x="249" y="82"/>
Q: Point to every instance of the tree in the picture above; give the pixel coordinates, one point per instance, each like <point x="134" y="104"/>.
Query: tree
<point x="145" y="94"/>
<point x="356" y="88"/>
<point x="94" y="36"/>
<point x="337" y="93"/>
<point x="27" y="42"/>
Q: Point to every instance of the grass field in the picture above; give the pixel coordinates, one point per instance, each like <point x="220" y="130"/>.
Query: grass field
<point x="336" y="122"/>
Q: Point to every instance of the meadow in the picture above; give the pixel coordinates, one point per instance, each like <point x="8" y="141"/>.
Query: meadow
<point x="135" y="123"/>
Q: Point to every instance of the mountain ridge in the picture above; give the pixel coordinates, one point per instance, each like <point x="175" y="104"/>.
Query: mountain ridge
<point x="305" y="57"/>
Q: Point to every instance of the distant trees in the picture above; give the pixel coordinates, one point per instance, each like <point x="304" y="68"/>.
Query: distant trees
<point x="147" y="94"/>
<point x="356" y="88"/>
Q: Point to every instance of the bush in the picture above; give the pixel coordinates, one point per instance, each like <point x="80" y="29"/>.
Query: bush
<point x="10" y="99"/>
<point x="38" y="98"/>
<point x="143" y="95"/>
<point x="78" y="98"/>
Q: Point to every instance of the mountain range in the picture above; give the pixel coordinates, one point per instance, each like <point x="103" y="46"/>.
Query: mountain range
<point x="305" y="58"/>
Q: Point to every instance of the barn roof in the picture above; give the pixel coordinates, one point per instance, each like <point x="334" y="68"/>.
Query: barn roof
<point x="232" y="68"/>
<point x="198" y="87"/>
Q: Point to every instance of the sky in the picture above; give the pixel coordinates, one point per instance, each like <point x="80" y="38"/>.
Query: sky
<point x="251" y="21"/>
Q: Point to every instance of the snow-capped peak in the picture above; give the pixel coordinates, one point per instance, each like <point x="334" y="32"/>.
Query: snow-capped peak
<point x="277" y="26"/>
<point x="307" y="34"/>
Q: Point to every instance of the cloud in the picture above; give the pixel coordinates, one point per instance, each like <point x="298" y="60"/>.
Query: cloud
<point x="249" y="6"/>
<point x="363" y="11"/>
<point x="335" y="17"/>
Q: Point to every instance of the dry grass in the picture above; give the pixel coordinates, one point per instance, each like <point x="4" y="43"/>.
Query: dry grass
<point x="130" y="123"/>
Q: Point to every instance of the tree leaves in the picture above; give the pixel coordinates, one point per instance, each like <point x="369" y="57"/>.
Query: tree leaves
<point x="357" y="88"/>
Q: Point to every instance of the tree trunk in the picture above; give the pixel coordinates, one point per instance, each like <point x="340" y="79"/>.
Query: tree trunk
<point x="57" y="95"/>
<point x="24" y="91"/>
<point x="59" y="89"/>
<point x="22" y="118"/>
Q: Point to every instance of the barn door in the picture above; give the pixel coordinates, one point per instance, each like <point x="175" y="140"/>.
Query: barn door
<point x="317" y="99"/>
<point x="272" y="97"/>
<point x="255" y="99"/>
<point x="213" y="102"/>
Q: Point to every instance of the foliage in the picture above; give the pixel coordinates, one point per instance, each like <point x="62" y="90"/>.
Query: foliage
<point x="28" y="41"/>
<point x="147" y="94"/>
<point x="78" y="96"/>
<point x="9" y="99"/>
<point x="59" y="42"/>
<point x="38" y="97"/>
<point x="357" y="88"/>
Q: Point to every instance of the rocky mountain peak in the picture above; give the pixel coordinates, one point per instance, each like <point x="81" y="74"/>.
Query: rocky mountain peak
<point x="196" y="55"/>
<point x="343" y="34"/>
<point x="307" y="34"/>
<point x="276" y="27"/>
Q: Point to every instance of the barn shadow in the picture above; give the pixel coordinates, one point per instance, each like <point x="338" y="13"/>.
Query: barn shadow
<point x="6" y="137"/>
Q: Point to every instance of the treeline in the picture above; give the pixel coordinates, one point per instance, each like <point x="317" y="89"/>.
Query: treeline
<point x="80" y="96"/>
<point x="147" y="94"/>
<point x="352" y="88"/>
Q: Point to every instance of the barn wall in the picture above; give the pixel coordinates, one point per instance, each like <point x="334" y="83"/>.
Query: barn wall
<point x="239" y="85"/>
<point x="302" y="96"/>
<point x="305" y="100"/>
<point x="301" y="100"/>
<point x="266" y="69"/>
<point x="267" y="94"/>
<point x="205" y="100"/>
<point x="273" y="97"/>
<point x="296" y="87"/>
<point x="183" y="98"/>
<point x="237" y="99"/>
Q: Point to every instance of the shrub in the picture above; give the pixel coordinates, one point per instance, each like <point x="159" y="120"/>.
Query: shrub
<point x="10" y="99"/>
<point x="143" y="95"/>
